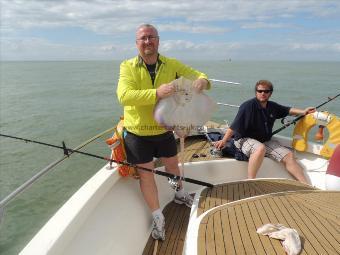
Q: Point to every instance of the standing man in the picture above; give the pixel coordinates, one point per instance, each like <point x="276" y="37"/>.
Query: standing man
<point x="143" y="81"/>
<point x="252" y="130"/>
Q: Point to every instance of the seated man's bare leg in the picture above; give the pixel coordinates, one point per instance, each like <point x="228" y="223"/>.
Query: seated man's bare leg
<point x="255" y="161"/>
<point x="294" y="168"/>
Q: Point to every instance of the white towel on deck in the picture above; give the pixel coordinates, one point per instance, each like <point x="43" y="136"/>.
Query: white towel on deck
<point x="291" y="240"/>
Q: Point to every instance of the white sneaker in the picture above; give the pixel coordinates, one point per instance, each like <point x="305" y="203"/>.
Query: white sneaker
<point x="158" y="228"/>
<point x="185" y="199"/>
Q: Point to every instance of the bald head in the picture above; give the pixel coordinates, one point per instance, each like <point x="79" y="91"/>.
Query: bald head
<point x="146" y="26"/>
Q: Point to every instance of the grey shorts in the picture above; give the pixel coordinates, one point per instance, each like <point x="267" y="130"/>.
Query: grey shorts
<point x="274" y="150"/>
<point x="143" y="149"/>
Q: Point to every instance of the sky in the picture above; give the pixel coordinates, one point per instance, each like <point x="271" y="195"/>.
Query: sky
<point x="305" y="30"/>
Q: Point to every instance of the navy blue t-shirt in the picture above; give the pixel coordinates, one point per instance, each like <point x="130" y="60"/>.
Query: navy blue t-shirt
<point x="256" y="122"/>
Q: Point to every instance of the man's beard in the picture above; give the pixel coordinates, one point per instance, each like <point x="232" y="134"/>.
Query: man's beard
<point x="149" y="52"/>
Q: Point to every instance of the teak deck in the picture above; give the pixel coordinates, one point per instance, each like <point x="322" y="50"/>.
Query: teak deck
<point x="230" y="228"/>
<point x="226" y="193"/>
<point x="177" y="216"/>
<point x="194" y="145"/>
<point x="176" y="224"/>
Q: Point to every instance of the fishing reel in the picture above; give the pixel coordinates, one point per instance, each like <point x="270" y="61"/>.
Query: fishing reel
<point x="287" y="121"/>
<point x="174" y="183"/>
<point x="217" y="153"/>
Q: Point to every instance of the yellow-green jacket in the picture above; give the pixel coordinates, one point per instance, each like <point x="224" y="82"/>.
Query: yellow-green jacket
<point x="138" y="96"/>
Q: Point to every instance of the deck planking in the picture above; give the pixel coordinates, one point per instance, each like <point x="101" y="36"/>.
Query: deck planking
<point x="176" y="224"/>
<point x="314" y="214"/>
<point x="177" y="217"/>
<point x="226" y="223"/>
<point x="226" y="193"/>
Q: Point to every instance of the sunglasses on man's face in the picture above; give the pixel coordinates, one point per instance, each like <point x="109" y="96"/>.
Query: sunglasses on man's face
<point x="266" y="91"/>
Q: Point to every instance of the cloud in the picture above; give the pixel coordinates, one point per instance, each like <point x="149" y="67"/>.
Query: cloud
<point x="39" y="49"/>
<point x="105" y="17"/>
<point x="336" y="47"/>
<point x="257" y="25"/>
<point x="192" y="28"/>
<point x="315" y="46"/>
<point x="189" y="29"/>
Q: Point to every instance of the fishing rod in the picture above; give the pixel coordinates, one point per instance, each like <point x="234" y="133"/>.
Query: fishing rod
<point x="301" y="116"/>
<point x="228" y="82"/>
<point x="43" y="171"/>
<point x="68" y="151"/>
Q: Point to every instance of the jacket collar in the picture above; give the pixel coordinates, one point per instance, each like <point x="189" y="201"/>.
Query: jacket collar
<point x="140" y="61"/>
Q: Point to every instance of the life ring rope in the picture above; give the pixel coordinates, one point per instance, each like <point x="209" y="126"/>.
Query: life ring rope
<point x="303" y="126"/>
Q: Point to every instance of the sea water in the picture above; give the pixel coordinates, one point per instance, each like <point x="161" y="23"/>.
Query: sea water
<point x="73" y="101"/>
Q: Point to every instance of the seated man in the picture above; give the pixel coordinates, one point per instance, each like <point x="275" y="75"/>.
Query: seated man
<point x="252" y="130"/>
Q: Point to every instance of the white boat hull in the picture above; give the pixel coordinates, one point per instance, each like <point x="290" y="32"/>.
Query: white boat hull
<point x="108" y="214"/>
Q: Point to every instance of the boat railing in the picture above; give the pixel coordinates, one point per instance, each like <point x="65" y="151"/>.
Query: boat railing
<point x="43" y="171"/>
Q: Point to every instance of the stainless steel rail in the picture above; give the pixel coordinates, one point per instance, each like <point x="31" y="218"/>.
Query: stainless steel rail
<point x="29" y="182"/>
<point x="231" y="105"/>
<point x="228" y="82"/>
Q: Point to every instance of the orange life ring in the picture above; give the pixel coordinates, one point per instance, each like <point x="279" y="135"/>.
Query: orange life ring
<point x="116" y="143"/>
<point x="302" y="128"/>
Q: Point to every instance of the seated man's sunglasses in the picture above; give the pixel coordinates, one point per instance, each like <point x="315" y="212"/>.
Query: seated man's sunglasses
<point x="266" y="91"/>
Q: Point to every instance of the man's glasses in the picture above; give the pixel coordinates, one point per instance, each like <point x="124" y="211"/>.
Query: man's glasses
<point x="150" y="38"/>
<point x="266" y="91"/>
